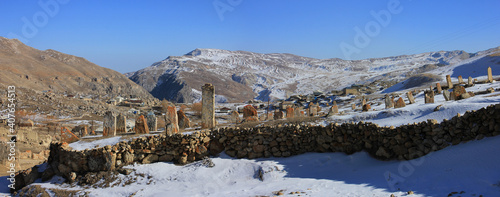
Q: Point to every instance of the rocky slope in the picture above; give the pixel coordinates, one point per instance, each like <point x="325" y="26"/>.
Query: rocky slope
<point x="241" y="75"/>
<point x="26" y="67"/>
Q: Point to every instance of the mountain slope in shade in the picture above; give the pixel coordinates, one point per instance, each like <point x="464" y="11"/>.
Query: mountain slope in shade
<point x="241" y="75"/>
<point x="24" y="66"/>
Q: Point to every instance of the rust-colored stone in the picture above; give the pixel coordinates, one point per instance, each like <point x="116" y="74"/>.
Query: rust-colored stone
<point x="141" y="126"/>
<point x="400" y="103"/>
<point x="67" y="136"/>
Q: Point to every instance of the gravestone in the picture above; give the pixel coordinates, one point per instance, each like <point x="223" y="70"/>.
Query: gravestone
<point x="312" y="110"/>
<point x="429" y="96"/>
<point x="109" y="124"/>
<point x="208" y="106"/>
<point x="67" y="136"/>
<point x="289" y="112"/>
<point x="400" y="103"/>
<point x="121" y="123"/>
<point x="447" y="95"/>
<point x="439" y="89"/>
<point x="141" y="125"/>
<point x="235" y="117"/>
<point x="152" y="121"/>
<point x="171" y="120"/>
<point x="388" y="102"/>
<point x="448" y="81"/>
<point x="490" y="75"/>
<point x="278" y="115"/>
<point x="411" y="99"/>
<point x="470" y="82"/>
<point x="460" y="80"/>
<point x="353" y="106"/>
<point x="367" y="107"/>
<point x="184" y="121"/>
<point x="458" y="90"/>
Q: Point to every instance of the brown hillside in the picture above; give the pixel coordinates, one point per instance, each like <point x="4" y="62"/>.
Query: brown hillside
<point x="27" y="67"/>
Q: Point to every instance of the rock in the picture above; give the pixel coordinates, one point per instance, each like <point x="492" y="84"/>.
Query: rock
<point x="367" y="107"/>
<point x="184" y="121"/>
<point x="125" y="171"/>
<point x="150" y="159"/>
<point x="141" y="126"/>
<point x="400" y="103"/>
<point x="249" y="111"/>
<point x="381" y="152"/>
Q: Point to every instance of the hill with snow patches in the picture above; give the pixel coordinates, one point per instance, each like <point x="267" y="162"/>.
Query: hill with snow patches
<point x="240" y="75"/>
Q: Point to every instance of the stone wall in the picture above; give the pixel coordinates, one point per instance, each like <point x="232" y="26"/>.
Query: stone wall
<point x="404" y="142"/>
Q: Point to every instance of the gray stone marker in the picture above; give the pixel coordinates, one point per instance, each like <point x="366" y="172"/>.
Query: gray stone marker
<point x="388" y="102"/>
<point x="109" y="124"/>
<point x="490" y="75"/>
<point x="121" y="123"/>
<point x="152" y="122"/>
<point x="448" y="81"/>
<point x="411" y="99"/>
<point x="460" y="79"/>
<point x="470" y="82"/>
<point x="447" y="95"/>
<point x="208" y="106"/>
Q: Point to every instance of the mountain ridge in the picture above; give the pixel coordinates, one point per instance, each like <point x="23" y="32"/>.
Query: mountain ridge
<point x="242" y="75"/>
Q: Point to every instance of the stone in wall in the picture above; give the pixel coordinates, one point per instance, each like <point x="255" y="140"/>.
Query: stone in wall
<point x="121" y="123"/>
<point x="109" y="124"/>
<point x="184" y="121"/>
<point x="141" y="126"/>
<point x="208" y="106"/>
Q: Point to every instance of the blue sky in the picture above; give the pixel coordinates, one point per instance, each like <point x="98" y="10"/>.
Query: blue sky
<point x="130" y="35"/>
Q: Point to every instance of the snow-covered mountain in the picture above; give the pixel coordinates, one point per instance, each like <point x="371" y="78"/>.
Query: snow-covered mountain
<point x="242" y="75"/>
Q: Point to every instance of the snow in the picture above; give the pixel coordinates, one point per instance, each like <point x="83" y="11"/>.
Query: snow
<point x="82" y="145"/>
<point x="471" y="167"/>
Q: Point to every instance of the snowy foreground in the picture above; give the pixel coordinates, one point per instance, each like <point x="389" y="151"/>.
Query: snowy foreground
<point x="472" y="168"/>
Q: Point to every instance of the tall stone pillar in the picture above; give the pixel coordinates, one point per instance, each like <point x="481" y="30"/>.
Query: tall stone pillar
<point x="121" y="123"/>
<point x="490" y="75"/>
<point x="438" y="87"/>
<point x="448" y="80"/>
<point x="208" y="106"/>
<point x="152" y="121"/>
<point x="171" y="120"/>
<point x="460" y="79"/>
<point x="109" y="124"/>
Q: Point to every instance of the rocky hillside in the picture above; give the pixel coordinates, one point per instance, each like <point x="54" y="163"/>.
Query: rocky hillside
<point x="241" y="75"/>
<point x="24" y="66"/>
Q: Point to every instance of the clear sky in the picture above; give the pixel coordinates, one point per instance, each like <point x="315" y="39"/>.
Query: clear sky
<point x="129" y="35"/>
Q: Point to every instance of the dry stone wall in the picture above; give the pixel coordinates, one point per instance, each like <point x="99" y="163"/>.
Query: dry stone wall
<point x="404" y="142"/>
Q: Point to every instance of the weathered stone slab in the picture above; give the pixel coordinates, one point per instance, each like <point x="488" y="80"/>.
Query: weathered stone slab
<point x="171" y="120"/>
<point x="460" y="79"/>
<point x="448" y="81"/>
<point x="290" y="112"/>
<point x="121" y="123"/>
<point x="400" y="103"/>
<point x="141" y="126"/>
<point x="490" y="75"/>
<point x="447" y="95"/>
<point x="439" y="89"/>
<point x="67" y="136"/>
<point x="184" y="121"/>
<point x="109" y="124"/>
<point x="278" y="115"/>
<point x="429" y="96"/>
<point x="411" y="99"/>
<point x="367" y="107"/>
<point x="152" y="121"/>
<point x="388" y="102"/>
<point x="208" y="106"/>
